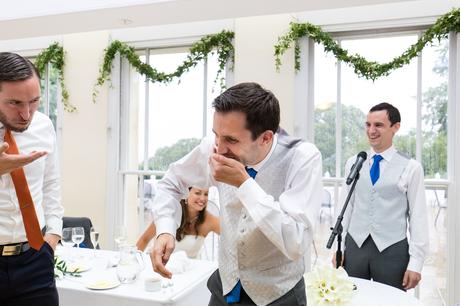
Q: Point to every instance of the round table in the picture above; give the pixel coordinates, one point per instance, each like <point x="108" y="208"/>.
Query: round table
<point x="378" y="294"/>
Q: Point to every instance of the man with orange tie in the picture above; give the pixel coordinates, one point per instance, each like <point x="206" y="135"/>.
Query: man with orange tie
<point x="30" y="203"/>
<point x="386" y="221"/>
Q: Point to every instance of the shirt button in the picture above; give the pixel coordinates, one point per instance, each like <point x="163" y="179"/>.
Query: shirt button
<point x="242" y="230"/>
<point x="244" y="216"/>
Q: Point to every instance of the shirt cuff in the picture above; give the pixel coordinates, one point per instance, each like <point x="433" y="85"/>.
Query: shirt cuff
<point x="165" y="225"/>
<point x="54" y="226"/>
<point x="250" y="192"/>
<point x="415" y="265"/>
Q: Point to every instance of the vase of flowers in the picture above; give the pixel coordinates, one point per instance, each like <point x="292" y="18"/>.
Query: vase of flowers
<point x="327" y="286"/>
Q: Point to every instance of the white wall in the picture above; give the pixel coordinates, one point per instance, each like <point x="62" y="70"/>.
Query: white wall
<point x="254" y="60"/>
<point x="83" y="135"/>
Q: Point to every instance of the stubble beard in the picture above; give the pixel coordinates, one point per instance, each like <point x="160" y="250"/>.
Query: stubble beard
<point x="7" y="125"/>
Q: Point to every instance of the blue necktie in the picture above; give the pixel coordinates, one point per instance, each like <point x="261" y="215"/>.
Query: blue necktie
<point x="234" y="295"/>
<point x="252" y="173"/>
<point x="375" y="169"/>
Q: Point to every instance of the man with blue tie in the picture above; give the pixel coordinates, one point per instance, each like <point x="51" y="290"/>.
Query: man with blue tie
<point x="270" y="192"/>
<point x="388" y="203"/>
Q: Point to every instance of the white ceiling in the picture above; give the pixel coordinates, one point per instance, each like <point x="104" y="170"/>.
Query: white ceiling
<point x="33" y="18"/>
<point x="19" y="9"/>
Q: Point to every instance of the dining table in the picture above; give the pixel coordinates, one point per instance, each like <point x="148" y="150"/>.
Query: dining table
<point x="373" y="293"/>
<point x="186" y="287"/>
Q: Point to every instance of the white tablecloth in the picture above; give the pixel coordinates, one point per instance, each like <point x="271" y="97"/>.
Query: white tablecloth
<point x="189" y="288"/>
<point x="377" y="294"/>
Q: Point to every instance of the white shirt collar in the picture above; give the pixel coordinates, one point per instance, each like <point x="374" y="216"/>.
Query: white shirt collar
<point x="258" y="166"/>
<point x="387" y="154"/>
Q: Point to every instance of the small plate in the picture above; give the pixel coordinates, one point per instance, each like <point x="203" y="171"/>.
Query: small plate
<point x="102" y="284"/>
<point x="78" y="266"/>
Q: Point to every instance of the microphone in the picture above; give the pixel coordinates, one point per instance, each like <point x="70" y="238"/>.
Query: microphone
<point x="354" y="172"/>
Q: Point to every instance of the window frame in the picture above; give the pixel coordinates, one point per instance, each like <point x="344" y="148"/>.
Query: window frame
<point x="119" y="94"/>
<point x="304" y="113"/>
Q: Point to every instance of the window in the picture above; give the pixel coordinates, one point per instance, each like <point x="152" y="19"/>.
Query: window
<point x="159" y="124"/>
<point x="419" y="90"/>
<point x="50" y="93"/>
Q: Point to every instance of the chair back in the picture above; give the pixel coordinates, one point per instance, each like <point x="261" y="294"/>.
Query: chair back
<point x="84" y="222"/>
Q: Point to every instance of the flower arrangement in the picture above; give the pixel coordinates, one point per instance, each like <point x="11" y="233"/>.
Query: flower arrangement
<point x="328" y="286"/>
<point x="61" y="269"/>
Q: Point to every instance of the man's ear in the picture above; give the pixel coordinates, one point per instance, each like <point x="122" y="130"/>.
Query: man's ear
<point x="267" y="137"/>
<point x="396" y="127"/>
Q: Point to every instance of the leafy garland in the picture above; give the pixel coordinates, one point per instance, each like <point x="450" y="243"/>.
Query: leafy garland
<point x="61" y="269"/>
<point x="220" y="43"/>
<point x="54" y="55"/>
<point x="368" y="69"/>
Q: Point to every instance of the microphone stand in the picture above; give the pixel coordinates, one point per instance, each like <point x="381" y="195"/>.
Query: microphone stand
<point x="338" y="229"/>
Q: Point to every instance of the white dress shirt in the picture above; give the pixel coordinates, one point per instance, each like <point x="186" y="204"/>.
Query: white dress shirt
<point x="411" y="182"/>
<point x="43" y="179"/>
<point x="288" y="222"/>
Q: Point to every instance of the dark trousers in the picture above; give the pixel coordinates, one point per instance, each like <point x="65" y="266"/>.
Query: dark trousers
<point x="294" y="297"/>
<point x="367" y="262"/>
<point x="28" y="278"/>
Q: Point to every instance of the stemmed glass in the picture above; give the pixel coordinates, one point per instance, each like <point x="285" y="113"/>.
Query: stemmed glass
<point x="120" y="236"/>
<point x="94" y="236"/>
<point x="66" y="239"/>
<point x="78" y="235"/>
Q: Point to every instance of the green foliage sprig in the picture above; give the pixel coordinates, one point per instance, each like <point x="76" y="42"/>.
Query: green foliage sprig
<point x="372" y="70"/>
<point x="60" y="269"/>
<point x="221" y="43"/>
<point x="54" y="55"/>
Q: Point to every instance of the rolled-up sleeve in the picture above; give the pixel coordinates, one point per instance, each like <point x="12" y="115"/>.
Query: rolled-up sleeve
<point x="190" y="171"/>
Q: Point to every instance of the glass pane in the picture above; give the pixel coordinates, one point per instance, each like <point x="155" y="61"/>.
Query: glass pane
<point x="434" y="110"/>
<point x="49" y="99"/>
<point x="176" y="112"/>
<point x="325" y="108"/>
<point x="359" y="94"/>
<point x="214" y="90"/>
<point x="166" y="128"/>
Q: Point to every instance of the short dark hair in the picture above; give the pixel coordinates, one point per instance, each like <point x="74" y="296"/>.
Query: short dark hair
<point x="393" y="113"/>
<point x="261" y="107"/>
<point x="14" y="67"/>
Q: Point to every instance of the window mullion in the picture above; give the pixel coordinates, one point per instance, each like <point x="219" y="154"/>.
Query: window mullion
<point x="205" y="96"/>
<point x="419" y="139"/>
<point x="338" y="121"/>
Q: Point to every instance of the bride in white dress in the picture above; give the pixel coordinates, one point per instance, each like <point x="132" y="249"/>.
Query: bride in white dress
<point x="195" y="225"/>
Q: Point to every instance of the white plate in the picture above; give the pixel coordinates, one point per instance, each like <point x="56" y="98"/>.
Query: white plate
<point x="102" y="284"/>
<point x="80" y="266"/>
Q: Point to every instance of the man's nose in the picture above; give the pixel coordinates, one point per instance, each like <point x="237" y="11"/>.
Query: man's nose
<point x="220" y="147"/>
<point x="24" y="112"/>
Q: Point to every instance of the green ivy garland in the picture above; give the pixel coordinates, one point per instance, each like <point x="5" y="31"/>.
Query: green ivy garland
<point x="372" y="70"/>
<point x="61" y="269"/>
<point x="220" y="43"/>
<point x="54" y="55"/>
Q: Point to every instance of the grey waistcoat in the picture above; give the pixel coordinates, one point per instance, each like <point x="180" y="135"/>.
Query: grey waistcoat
<point x="245" y="253"/>
<point x="380" y="210"/>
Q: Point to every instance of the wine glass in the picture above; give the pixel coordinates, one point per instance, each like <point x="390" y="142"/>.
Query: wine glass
<point x="78" y="235"/>
<point x="120" y="236"/>
<point x="66" y="239"/>
<point x="94" y="236"/>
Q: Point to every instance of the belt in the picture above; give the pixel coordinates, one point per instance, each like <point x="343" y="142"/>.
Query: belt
<point x="14" y="248"/>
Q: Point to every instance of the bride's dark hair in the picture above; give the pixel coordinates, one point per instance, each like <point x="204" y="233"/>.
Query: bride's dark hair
<point x="185" y="221"/>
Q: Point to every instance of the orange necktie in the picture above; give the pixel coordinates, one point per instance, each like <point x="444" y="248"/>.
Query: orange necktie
<point x="26" y="204"/>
